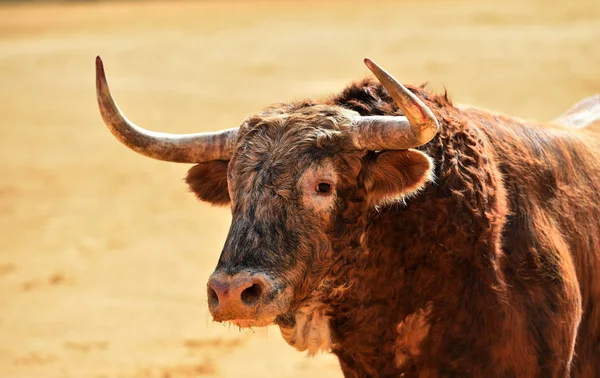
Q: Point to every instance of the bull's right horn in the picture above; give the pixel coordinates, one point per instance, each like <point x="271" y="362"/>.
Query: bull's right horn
<point x="417" y="127"/>
<point x="179" y="148"/>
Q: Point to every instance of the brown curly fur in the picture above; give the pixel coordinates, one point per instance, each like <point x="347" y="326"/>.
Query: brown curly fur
<point x="499" y="256"/>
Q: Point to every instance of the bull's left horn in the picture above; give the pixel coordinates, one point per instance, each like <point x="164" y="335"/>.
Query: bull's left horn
<point x="417" y="127"/>
<point x="179" y="148"/>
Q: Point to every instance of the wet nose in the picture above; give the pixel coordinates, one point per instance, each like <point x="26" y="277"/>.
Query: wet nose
<point x="232" y="295"/>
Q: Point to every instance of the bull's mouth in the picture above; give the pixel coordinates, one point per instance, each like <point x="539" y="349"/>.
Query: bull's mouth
<point x="285" y="318"/>
<point x="246" y="320"/>
<point x="250" y="323"/>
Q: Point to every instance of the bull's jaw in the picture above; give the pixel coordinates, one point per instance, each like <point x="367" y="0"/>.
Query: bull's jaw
<point x="309" y="330"/>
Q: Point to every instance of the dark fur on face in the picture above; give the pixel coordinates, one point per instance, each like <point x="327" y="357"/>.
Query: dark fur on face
<point x="486" y="265"/>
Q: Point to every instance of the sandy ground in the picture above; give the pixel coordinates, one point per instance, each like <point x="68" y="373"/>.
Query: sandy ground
<point x="104" y="255"/>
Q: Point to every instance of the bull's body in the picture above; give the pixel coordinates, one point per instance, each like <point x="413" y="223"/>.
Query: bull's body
<point x="500" y="256"/>
<point x="475" y="255"/>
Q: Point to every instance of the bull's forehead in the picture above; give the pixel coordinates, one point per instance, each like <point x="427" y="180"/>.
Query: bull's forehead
<point x="292" y="126"/>
<point x="288" y="116"/>
<point x="276" y="145"/>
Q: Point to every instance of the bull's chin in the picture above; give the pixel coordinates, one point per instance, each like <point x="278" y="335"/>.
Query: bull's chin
<point x="287" y="319"/>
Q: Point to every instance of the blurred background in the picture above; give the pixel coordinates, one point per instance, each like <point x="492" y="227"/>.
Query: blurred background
<point x="104" y="255"/>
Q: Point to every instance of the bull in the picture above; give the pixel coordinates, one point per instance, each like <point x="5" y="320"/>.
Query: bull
<point x="405" y="234"/>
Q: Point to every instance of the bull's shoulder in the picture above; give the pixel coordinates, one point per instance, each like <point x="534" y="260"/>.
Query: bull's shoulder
<point x="585" y="113"/>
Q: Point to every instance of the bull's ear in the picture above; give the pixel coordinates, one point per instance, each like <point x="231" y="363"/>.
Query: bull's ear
<point x="392" y="175"/>
<point x="208" y="181"/>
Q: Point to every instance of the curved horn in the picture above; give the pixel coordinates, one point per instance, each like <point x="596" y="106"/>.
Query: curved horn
<point x="417" y="127"/>
<point x="179" y="148"/>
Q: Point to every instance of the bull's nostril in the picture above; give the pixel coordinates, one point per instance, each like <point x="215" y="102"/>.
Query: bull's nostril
<point x="252" y="294"/>
<point x="213" y="298"/>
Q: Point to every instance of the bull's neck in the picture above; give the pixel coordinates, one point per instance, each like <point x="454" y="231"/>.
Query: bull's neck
<point x="418" y="253"/>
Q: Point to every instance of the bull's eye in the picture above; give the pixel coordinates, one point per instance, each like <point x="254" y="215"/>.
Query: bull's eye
<point x="323" y="187"/>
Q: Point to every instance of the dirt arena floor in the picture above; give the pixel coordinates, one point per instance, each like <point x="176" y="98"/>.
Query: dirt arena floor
<point x="104" y="255"/>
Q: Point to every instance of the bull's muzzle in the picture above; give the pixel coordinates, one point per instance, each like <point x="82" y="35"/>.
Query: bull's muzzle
<point x="243" y="298"/>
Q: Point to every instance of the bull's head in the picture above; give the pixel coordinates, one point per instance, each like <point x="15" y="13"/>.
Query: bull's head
<point x="300" y="180"/>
